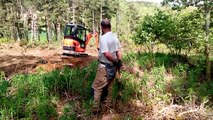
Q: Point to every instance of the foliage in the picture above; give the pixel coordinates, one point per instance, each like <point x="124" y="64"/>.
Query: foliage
<point x="4" y="85"/>
<point x="177" y="31"/>
<point x="187" y="81"/>
<point x="17" y="17"/>
<point x="129" y="88"/>
<point x="205" y="6"/>
<point x="69" y="79"/>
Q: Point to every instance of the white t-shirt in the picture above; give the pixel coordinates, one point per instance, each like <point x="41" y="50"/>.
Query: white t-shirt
<point x="108" y="43"/>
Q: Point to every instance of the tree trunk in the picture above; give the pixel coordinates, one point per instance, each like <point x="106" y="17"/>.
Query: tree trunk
<point x="13" y="33"/>
<point x="13" y="22"/>
<point x="48" y="30"/>
<point x="38" y="34"/>
<point x="101" y="14"/>
<point x="25" y="27"/>
<point x="93" y="25"/>
<point x="39" y="38"/>
<point x="53" y="37"/>
<point x="55" y="31"/>
<point x="73" y="12"/>
<point x="84" y="9"/>
<point x="93" y="21"/>
<point x="17" y="17"/>
<point x="128" y="27"/>
<point x="117" y="18"/>
<point x="34" y="27"/>
<point x="18" y="32"/>
<point x="32" y="31"/>
<point x="67" y="15"/>
<point x="58" y="31"/>
<point x="207" y="48"/>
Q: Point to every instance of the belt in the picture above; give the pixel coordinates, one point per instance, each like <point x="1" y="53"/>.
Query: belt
<point x="102" y="62"/>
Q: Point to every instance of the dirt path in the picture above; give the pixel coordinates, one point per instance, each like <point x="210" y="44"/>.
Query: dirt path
<point x="15" y="59"/>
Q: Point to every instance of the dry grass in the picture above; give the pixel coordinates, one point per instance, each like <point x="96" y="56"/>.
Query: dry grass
<point x="179" y="112"/>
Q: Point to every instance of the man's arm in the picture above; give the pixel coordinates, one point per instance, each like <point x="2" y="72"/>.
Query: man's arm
<point x="119" y="55"/>
<point x="110" y="57"/>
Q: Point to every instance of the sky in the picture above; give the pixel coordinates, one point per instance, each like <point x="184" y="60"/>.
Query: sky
<point x="155" y="1"/>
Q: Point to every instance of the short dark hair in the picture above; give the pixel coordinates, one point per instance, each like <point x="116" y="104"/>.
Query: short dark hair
<point x="106" y="23"/>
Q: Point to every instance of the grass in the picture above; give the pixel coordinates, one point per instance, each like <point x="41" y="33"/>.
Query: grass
<point x="170" y="79"/>
<point x="180" y="67"/>
<point x="4" y="40"/>
<point x="69" y="112"/>
<point x="34" y="96"/>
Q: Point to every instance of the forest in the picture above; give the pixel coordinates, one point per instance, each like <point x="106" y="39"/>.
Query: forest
<point x="167" y="59"/>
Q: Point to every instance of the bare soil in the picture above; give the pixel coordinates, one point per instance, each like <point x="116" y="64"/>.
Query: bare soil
<point x="15" y="59"/>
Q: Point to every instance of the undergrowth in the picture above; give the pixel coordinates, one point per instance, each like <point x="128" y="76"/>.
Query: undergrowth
<point x="189" y="76"/>
<point x="169" y="80"/>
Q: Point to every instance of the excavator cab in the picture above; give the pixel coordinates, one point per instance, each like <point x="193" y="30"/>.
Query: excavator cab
<point x="74" y="39"/>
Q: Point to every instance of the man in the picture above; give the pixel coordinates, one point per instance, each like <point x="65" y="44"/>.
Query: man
<point x="110" y="61"/>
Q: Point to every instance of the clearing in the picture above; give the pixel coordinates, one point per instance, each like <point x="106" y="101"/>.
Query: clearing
<point x="15" y="59"/>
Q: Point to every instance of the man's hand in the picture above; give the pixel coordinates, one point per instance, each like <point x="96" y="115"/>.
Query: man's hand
<point x="118" y="63"/>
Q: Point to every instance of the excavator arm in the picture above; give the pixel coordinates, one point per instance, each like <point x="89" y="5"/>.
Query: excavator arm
<point x="95" y="36"/>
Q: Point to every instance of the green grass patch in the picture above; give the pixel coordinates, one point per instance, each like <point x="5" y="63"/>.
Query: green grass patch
<point x="188" y="77"/>
<point x="4" y="40"/>
<point x="34" y="96"/>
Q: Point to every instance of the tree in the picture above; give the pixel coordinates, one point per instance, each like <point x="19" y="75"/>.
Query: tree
<point x="58" y="10"/>
<point x="144" y="33"/>
<point x="207" y="7"/>
<point x="179" y="32"/>
<point x="133" y="17"/>
<point x="19" y="18"/>
<point x="11" y="19"/>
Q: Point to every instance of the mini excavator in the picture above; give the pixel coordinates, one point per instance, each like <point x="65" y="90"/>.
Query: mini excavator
<point x="76" y="39"/>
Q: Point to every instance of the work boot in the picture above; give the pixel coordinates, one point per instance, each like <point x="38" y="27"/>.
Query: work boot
<point x="107" y="105"/>
<point x="96" y="109"/>
<point x="107" y="108"/>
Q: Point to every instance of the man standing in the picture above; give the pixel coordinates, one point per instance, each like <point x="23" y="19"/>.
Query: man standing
<point x="110" y="62"/>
